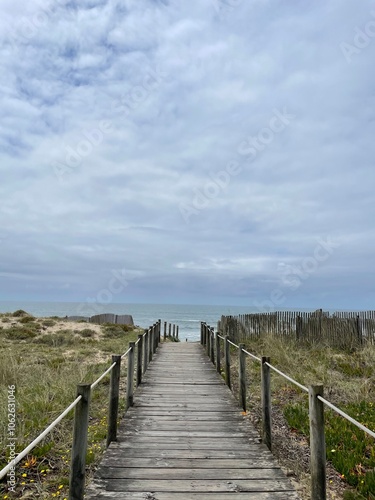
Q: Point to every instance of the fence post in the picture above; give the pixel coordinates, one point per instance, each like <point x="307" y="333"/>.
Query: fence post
<point x="177" y="329"/>
<point x="169" y="330"/>
<point x="218" y="354"/>
<point x="113" y="400"/>
<point x="227" y="361"/>
<point x="201" y="333"/>
<point x="159" y="332"/>
<point x="266" y="403"/>
<point x="174" y="330"/>
<point x="79" y="447"/>
<point x="130" y="377"/>
<point x="212" y="345"/>
<point x="242" y="375"/>
<point x="150" y="344"/>
<point x="208" y="339"/>
<point x="156" y="335"/>
<point x="165" y="330"/>
<point x="146" y="355"/>
<point x="139" y="359"/>
<point x="317" y="444"/>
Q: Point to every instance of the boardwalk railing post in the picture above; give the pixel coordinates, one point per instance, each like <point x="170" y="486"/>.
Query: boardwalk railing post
<point x="202" y="343"/>
<point x="317" y="444"/>
<point x="266" y="403"/>
<point x="130" y="377"/>
<point x="139" y="359"/>
<point x="242" y="375"/>
<point x="155" y="336"/>
<point x="218" y="354"/>
<point x="208" y="338"/>
<point x="169" y="330"/>
<point x="159" y="331"/>
<point x="114" y="393"/>
<point x="150" y="344"/>
<point x="212" y="345"/>
<point x="177" y="329"/>
<point x="146" y="355"/>
<point x="227" y="361"/>
<point x="165" y="330"/>
<point x="79" y="447"/>
<point x="174" y="330"/>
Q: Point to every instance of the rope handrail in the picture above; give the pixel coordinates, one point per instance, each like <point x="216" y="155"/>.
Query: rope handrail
<point x="220" y="337"/>
<point x="287" y="377"/>
<point x="345" y="415"/>
<point x="126" y="353"/>
<point x="94" y="384"/>
<point x="305" y="389"/>
<point x="252" y="355"/>
<point x="37" y="440"/>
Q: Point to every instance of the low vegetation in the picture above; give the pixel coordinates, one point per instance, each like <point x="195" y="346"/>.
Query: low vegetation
<point x="45" y="359"/>
<point x="349" y="383"/>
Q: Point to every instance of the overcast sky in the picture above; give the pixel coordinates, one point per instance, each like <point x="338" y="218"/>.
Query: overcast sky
<point x="202" y="151"/>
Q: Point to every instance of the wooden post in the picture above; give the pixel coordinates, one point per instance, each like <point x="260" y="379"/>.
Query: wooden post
<point x="266" y="403"/>
<point x="155" y="336"/>
<point x="227" y="361"/>
<point x="114" y="393"/>
<point x="150" y="344"/>
<point x="317" y="444"/>
<point x="208" y="339"/>
<point x="130" y="377"/>
<point x="169" y="330"/>
<point x="159" y="332"/>
<point x="218" y="354"/>
<point x="79" y="447"/>
<point x="139" y="359"/>
<point x="146" y="354"/>
<point x="212" y="345"/>
<point x="174" y="330"/>
<point x="242" y="375"/>
<point x="177" y="329"/>
<point x="203" y="325"/>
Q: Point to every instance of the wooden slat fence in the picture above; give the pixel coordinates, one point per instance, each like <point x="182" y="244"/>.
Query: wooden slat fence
<point x="343" y="330"/>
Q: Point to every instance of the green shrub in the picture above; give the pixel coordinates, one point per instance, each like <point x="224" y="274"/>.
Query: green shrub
<point x="27" y="319"/>
<point x="86" y="332"/>
<point x="350" y="450"/>
<point x="48" y="322"/>
<point x="19" y="313"/>
<point x="20" y="333"/>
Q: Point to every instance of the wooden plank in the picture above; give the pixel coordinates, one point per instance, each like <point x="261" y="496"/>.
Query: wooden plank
<point x="276" y="495"/>
<point x="107" y="472"/>
<point x="198" y="486"/>
<point x="259" y="460"/>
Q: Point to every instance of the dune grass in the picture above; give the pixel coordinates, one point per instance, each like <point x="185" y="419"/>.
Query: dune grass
<point x="349" y="382"/>
<point x="45" y="359"/>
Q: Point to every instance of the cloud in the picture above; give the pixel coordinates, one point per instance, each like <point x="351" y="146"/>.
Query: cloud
<point x="180" y="87"/>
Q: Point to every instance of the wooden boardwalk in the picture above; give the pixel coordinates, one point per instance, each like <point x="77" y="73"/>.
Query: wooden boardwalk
<point x="186" y="439"/>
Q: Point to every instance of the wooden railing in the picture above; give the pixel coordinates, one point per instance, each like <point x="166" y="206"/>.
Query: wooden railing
<point x="139" y="354"/>
<point x="211" y="342"/>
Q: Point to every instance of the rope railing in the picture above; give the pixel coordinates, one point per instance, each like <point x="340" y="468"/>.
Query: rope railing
<point x="147" y="344"/>
<point x="210" y="340"/>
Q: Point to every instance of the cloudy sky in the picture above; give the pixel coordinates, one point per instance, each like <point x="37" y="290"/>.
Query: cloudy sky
<point x="210" y="151"/>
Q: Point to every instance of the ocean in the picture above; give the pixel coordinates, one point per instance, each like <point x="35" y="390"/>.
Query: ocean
<point x="187" y="317"/>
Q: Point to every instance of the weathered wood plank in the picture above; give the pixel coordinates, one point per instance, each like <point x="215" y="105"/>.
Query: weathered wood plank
<point x="196" y="485"/>
<point x="259" y="460"/>
<point x="277" y="495"/>
<point x="106" y="472"/>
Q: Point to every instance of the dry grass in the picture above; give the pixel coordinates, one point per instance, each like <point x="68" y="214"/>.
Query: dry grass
<point x="45" y="359"/>
<point x="349" y="382"/>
